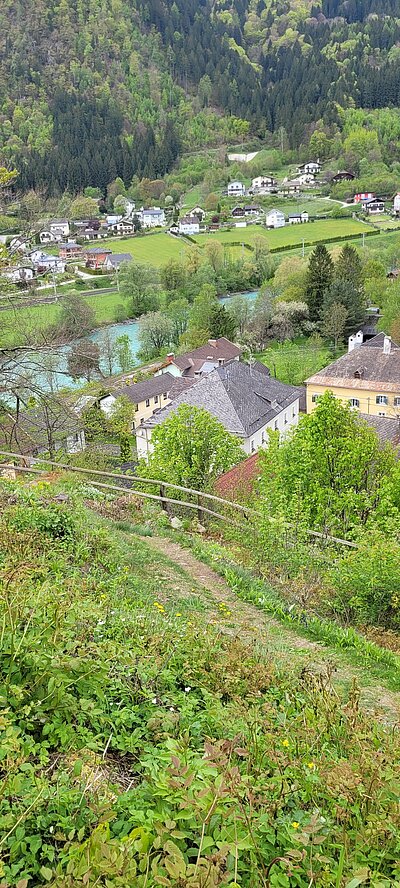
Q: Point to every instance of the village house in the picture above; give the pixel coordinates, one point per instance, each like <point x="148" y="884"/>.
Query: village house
<point x="46" y="237"/>
<point x="19" y="274"/>
<point x="96" y="257"/>
<point x="123" y="226"/>
<point x="262" y="184"/>
<point x="189" y="225"/>
<point x="152" y="217"/>
<point x="215" y="353"/>
<point x="364" y="197"/>
<point x="312" y="167"/>
<point x="59" y="228"/>
<point x="342" y="176"/>
<point x="236" y="189"/>
<point x="46" y="262"/>
<point x="297" y="218"/>
<point x="374" y="207"/>
<point x="394" y="274"/>
<point x="199" y="212"/>
<point x="147" y="396"/>
<point x="396" y="204"/>
<point x="367" y="377"/>
<point x="252" y="210"/>
<point x="237" y="212"/>
<point x="114" y="261"/>
<point x="246" y="400"/>
<point x="70" y="250"/>
<point x="290" y="186"/>
<point x="18" y="244"/>
<point x="275" y="219"/>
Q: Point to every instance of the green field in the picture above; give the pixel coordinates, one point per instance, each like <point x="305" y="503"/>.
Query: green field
<point x="156" y="249"/>
<point x="15" y="323"/>
<point x="290" y="234"/>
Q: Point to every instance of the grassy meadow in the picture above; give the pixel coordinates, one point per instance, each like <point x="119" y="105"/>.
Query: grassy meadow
<point x="289" y="235"/>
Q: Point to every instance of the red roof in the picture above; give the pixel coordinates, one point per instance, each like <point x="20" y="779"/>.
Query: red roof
<point x="240" y="478"/>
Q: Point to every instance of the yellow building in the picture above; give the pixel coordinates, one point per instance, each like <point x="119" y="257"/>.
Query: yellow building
<point x="367" y="378"/>
<point x="148" y="396"/>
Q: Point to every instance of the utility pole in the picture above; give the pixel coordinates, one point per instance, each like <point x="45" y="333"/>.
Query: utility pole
<point x="117" y="274"/>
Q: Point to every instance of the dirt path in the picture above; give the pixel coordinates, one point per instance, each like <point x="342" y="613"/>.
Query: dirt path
<point x="251" y="624"/>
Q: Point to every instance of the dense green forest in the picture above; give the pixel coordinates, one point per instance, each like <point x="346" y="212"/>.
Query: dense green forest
<point x="120" y="88"/>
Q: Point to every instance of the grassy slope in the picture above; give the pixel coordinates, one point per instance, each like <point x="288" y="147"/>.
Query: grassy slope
<point x="290" y="234"/>
<point x="152" y="721"/>
<point x="156" y="249"/>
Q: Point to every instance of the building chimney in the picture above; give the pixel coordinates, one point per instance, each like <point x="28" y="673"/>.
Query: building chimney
<point x="355" y="341"/>
<point x="170" y="357"/>
<point x="387" y="345"/>
<point x="212" y="342"/>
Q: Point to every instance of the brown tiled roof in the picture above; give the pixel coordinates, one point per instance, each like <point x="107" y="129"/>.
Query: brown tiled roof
<point x="216" y="349"/>
<point x="240" y="479"/>
<point x="364" y="368"/>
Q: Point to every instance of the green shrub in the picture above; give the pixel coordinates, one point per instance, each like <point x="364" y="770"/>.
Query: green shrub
<point x="54" y="520"/>
<point x="367" y="583"/>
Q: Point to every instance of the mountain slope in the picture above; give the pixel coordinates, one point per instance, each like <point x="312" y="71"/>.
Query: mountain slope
<point x="127" y="77"/>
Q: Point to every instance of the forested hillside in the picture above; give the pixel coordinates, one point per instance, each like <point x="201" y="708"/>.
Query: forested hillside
<point x="89" y="92"/>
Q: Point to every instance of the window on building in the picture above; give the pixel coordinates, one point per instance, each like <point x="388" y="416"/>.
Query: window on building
<point x="276" y="425"/>
<point x="136" y="408"/>
<point x="165" y="396"/>
<point x="354" y="402"/>
<point x="315" y="398"/>
<point x="285" y="419"/>
<point x="293" y="411"/>
<point x="381" y="399"/>
<point x="397" y="402"/>
<point x="381" y="413"/>
<point x="156" y="399"/>
<point x="252" y="447"/>
<point x="147" y="402"/>
<point x="262" y="437"/>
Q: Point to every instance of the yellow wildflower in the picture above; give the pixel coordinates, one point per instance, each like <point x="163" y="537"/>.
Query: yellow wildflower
<point x="295" y="824"/>
<point x="285" y="742"/>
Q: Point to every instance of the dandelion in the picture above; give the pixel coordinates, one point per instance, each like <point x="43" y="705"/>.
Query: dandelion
<point x="178" y="615"/>
<point x="295" y="824"/>
<point x="285" y="742"/>
<point x="311" y="766"/>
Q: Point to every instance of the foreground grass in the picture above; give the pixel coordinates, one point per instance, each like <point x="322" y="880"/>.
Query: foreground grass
<point x="145" y="744"/>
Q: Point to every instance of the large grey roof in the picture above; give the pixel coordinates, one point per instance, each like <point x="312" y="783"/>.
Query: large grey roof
<point x="387" y="428"/>
<point x="243" y="399"/>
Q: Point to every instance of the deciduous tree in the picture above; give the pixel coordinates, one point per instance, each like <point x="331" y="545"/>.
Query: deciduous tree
<point x="192" y="448"/>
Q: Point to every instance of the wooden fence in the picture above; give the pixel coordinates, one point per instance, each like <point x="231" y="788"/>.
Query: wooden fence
<point x="202" y="505"/>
